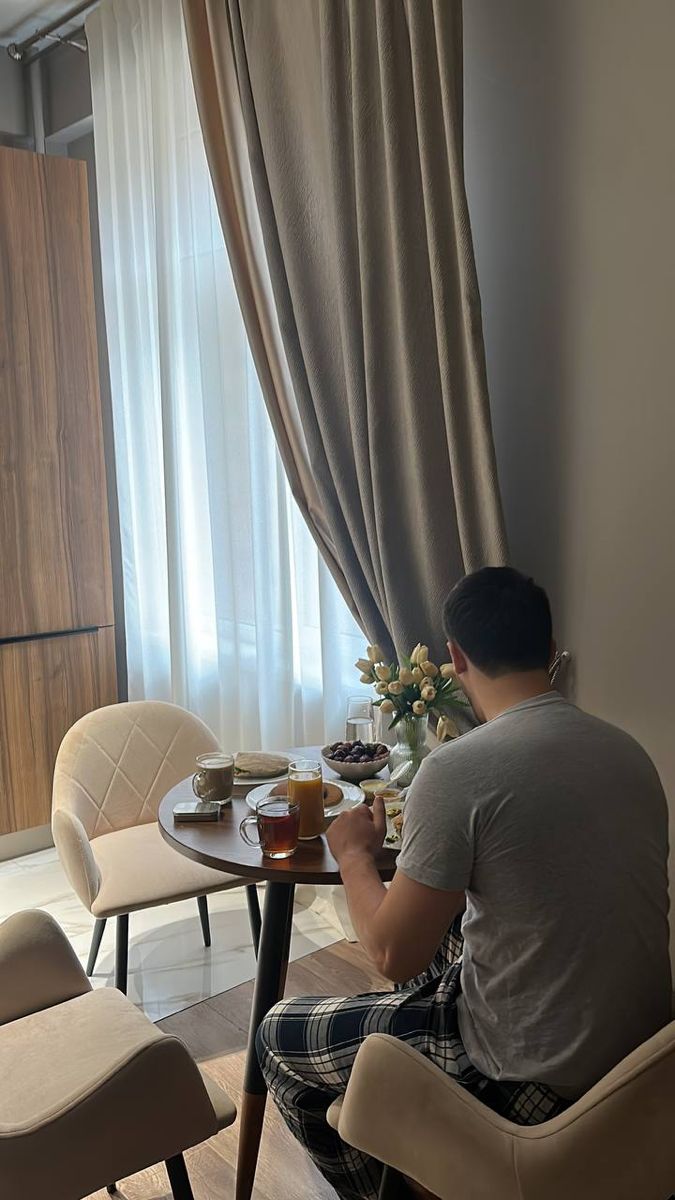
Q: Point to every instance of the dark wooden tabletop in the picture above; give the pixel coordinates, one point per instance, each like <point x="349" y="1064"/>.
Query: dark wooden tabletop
<point x="219" y="844"/>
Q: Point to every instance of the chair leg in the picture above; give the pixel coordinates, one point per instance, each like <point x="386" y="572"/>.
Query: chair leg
<point x="203" y="905"/>
<point x="96" y="936"/>
<point x="178" y="1178"/>
<point x="122" y="953"/>
<point x="253" y="914"/>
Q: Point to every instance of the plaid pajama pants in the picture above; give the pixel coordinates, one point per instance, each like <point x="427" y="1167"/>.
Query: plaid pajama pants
<point x="307" y="1048"/>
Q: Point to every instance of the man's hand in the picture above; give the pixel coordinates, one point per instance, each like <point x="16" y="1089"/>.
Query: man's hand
<point x="400" y="928"/>
<point x="359" y="832"/>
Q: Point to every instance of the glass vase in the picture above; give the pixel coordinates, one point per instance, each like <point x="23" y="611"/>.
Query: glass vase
<point x="410" y="749"/>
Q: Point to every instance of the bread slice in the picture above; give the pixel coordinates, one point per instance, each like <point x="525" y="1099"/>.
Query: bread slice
<point x="258" y="765"/>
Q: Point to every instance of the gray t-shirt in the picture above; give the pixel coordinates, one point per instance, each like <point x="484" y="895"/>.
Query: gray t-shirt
<point x="555" y="824"/>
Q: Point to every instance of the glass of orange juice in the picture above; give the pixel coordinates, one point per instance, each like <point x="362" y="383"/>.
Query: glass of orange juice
<point x="305" y="788"/>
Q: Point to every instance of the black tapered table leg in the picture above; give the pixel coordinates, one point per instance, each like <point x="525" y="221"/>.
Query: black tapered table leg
<point x="96" y="936"/>
<point x="393" y="1186"/>
<point x="275" y="939"/>
<point x="179" y="1178"/>
<point x="122" y="953"/>
<point x="254" y="917"/>
<point x="203" y="906"/>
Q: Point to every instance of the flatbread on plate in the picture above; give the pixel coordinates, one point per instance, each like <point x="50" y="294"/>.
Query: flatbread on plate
<point x="258" y="765"/>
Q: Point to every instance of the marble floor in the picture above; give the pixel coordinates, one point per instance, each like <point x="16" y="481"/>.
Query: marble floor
<point x="169" y="967"/>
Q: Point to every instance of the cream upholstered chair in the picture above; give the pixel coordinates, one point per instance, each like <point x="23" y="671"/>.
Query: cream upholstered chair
<point x="615" y="1143"/>
<point x="91" y="1090"/>
<point x="113" y="768"/>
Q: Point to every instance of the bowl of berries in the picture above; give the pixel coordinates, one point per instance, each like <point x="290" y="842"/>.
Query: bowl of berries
<point x="356" y="761"/>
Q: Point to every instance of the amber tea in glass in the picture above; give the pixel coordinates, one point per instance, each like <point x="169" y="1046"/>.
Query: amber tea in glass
<point x="277" y="820"/>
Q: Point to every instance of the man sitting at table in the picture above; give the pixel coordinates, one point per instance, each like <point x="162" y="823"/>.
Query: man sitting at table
<point x="547" y="829"/>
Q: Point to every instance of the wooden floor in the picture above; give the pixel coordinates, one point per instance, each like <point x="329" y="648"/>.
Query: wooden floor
<point x="215" y="1031"/>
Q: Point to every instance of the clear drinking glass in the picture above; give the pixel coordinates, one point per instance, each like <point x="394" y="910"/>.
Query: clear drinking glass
<point x="360" y="724"/>
<point x="305" y="788"/>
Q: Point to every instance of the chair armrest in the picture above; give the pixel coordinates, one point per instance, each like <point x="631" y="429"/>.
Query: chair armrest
<point x="431" y="1130"/>
<point x="614" y="1143"/>
<point x="77" y="859"/>
<point x="106" y="1094"/>
<point x="223" y="1107"/>
<point x="38" y="966"/>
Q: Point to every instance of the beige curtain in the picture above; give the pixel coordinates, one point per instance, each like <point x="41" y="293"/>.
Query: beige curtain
<point x="334" y="135"/>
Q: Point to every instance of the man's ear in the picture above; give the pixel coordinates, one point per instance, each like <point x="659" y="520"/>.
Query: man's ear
<point x="459" y="659"/>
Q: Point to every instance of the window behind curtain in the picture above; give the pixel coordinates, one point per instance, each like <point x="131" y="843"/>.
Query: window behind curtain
<point x="228" y="608"/>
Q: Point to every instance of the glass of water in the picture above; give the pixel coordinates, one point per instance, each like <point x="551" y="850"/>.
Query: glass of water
<point x="360" y="720"/>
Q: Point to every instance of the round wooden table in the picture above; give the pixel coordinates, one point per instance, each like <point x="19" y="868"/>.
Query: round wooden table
<point x="219" y="844"/>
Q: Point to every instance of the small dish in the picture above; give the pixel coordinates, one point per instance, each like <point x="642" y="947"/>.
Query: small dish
<point x="372" y="786"/>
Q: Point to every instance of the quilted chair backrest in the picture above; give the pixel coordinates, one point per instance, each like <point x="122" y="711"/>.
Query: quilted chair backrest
<point x="117" y="763"/>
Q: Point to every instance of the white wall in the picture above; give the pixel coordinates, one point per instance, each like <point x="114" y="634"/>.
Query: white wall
<point x="570" y="154"/>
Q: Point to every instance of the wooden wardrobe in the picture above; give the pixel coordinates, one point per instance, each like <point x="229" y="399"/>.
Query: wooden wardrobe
<point x="57" y="646"/>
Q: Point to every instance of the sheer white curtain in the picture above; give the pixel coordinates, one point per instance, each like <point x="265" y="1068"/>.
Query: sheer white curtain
<point x="229" y="610"/>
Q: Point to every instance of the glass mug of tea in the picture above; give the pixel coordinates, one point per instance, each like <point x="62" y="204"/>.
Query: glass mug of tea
<point x="278" y="821"/>
<point x="214" y="778"/>
<point x="305" y="788"/>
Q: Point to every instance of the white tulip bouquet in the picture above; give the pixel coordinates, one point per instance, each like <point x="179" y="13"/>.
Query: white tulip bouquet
<point x="414" y="687"/>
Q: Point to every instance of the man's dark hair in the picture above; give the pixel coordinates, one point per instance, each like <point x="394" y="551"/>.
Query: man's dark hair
<point x="501" y="619"/>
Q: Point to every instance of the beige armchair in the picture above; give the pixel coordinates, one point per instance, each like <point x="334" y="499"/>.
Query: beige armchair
<point x="113" y="768"/>
<point x="616" y="1143"/>
<point x="91" y="1090"/>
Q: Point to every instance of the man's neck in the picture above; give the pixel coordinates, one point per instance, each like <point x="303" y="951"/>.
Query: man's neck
<point x="509" y="690"/>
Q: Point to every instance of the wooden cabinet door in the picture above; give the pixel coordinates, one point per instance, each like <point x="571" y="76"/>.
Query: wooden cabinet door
<point x="54" y="544"/>
<point x="45" y="686"/>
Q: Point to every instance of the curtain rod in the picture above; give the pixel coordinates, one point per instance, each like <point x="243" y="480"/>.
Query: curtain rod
<point x="18" y="50"/>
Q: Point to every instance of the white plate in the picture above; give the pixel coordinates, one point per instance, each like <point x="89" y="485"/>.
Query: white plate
<point x="351" y="797"/>
<point x="242" y="780"/>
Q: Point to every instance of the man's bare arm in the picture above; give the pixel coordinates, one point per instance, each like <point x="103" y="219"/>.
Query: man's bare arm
<point x="400" y="927"/>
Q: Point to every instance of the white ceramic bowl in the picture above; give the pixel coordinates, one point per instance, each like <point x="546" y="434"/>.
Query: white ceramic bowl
<point x="355" y="772"/>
